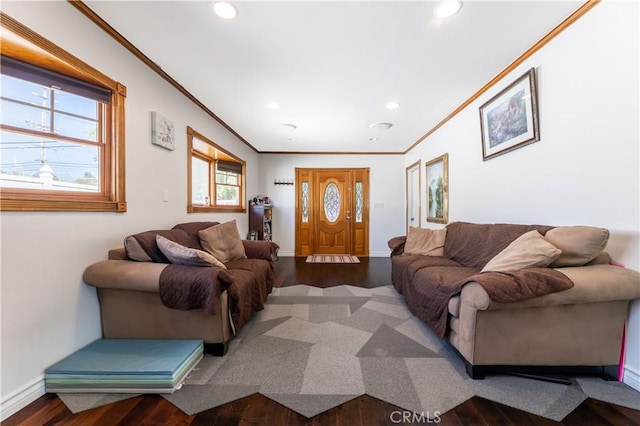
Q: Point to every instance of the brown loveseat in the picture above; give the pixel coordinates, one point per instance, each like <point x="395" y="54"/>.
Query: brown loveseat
<point x="143" y="295"/>
<point x="561" y="308"/>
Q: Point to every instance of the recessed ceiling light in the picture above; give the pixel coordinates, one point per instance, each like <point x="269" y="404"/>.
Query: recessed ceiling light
<point x="381" y="126"/>
<point x="447" y="8"/>
<point x="393" y="105"/>
<point x="273" y="105"/>
<point x="224" y="9"/>
<point x="288" y="126"/>
<point x="373" y="139"/>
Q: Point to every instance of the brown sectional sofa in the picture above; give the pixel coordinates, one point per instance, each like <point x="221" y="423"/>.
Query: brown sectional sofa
<point x="574" y="327"/>
<point x="133" y="288"/>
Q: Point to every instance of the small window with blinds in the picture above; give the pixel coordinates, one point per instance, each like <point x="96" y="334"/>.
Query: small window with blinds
<point x="216" y="177"/>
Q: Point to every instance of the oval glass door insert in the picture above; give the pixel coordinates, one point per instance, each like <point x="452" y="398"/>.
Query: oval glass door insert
<point x="332" y="202"/>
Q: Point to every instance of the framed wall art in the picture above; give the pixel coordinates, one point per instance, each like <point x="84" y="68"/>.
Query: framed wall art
<point x="509" y="120"/>
<point x="438" y="189"/>
<point x="162" y="131"/>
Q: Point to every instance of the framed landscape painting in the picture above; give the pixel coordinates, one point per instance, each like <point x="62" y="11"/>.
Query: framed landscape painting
<point x="438" y="189"/>
<point x="510" y="119"/>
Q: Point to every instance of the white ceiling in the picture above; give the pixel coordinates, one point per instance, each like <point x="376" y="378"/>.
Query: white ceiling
<point x="332" y="65"/>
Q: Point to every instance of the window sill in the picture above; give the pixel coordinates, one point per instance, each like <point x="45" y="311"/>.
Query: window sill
<point x="62" y="206"/>
<point x="202" y="209"/>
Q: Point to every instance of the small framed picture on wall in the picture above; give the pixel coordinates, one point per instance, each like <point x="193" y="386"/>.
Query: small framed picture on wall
<point x="162" y="131"/>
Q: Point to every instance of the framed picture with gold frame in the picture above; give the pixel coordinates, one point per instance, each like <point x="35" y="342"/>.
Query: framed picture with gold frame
<point x="438" y="189"/>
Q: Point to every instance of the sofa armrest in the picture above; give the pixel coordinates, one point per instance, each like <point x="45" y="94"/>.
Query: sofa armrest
<point x="598" y="283"/>
<point x="475" y="296"/>
<point x="125" y="275"/>
<point x="261" y="249"/>
<point x="396" y="244"/>
<point x="592" y="284"/>
<point x="118" y="254"/>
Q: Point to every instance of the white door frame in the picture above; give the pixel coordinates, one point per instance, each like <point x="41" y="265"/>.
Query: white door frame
<point x="413" y="195"/>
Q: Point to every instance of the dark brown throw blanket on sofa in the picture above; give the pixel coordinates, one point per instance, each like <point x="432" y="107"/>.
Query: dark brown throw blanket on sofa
<point x="437" y="285"/>
<point x="253" y="281"/>
<point x="248" y="282"/>
<point x="516" y="286"/>
<point x="187" y="287"/>
<point x="428" y="282"/>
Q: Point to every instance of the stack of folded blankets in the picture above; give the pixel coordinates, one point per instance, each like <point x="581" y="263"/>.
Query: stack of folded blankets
<point x="126" y="366"/>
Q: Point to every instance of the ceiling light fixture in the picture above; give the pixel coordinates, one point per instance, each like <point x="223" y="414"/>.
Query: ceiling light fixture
<point x="447" y="8"/>
<point x="381" y="126"/>
<point x="273" y="105"/>
<point x="393" y="105"/>
<point x="288" y="126"/>
<point x="373" y="139"/>
<point x="224" y="9"/>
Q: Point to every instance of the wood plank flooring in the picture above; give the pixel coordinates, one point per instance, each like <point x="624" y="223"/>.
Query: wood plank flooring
<point x="259" y="410"/>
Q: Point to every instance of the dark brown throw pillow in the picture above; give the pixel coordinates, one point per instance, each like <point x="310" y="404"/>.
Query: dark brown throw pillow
<point x="143" y="247"/>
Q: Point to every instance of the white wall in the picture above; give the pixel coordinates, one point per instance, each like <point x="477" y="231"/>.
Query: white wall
<point x="47" y="311"/>
<point x="584" y="169"/>
<point x="387" y="191"/>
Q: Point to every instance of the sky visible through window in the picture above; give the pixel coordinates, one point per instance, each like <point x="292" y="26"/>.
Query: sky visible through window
<point x="33" y="109"/>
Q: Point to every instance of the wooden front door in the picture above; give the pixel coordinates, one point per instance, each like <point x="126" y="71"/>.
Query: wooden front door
<point x="333" y="199"/>
<point x="332" y="211"/>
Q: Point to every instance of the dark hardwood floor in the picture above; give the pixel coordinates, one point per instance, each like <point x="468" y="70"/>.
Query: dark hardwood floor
<point x="259" y="410"/>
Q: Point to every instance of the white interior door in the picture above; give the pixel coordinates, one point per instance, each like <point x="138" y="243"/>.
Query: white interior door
<point x="413" y="195"/>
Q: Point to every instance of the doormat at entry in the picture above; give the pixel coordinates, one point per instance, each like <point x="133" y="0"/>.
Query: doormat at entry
<point x="332" y="258"/>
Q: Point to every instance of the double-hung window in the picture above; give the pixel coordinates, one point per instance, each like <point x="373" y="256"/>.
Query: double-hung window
<point x="216" y="177"/>
<point x="61" y="139"/>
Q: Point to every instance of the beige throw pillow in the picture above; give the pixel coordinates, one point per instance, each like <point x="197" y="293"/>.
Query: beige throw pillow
<point x="426" y="242"/>
<point x="223" y="241"/>
<point x="579" y="244"/>
<point x="530" y="250"/>
<point x="181" y="255"/>
<point x="135" y="251"/>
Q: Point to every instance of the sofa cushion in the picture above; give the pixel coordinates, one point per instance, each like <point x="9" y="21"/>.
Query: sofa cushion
<point x="193" y="228"/>
<point x="530" y="250"/>
<point x="261" y="249"/>
<point x="426" y="242"/>
<point x="579" y="244"/>
<point x="454" y="306"/>
<point x="223" y="241"/>
<point x="473" y="245"/>
<point x="405" y="265"/>
<point x="134" y="251"/>
<point x="143" y="247"/>
<point x="181" y="255"/>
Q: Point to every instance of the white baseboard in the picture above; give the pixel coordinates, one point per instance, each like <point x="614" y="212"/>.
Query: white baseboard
<point x="379" y="253"/>
<point x="632" y="377"/>
<point x="21" y="397"/>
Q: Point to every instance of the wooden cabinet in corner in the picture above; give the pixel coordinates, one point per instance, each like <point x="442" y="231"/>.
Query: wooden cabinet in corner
<point x="260" y="221"/>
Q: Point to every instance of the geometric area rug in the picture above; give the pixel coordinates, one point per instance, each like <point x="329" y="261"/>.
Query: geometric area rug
<point x="312" y="349"/>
